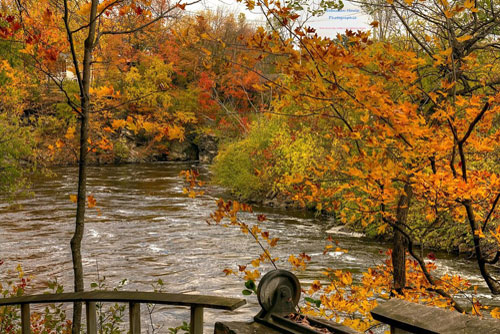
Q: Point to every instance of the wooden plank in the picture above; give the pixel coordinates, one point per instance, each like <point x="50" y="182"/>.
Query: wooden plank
<point x="243" y="328"/>
<point x="196" y="324"/>
<point x="25" y="319"/>
<point x="135" y="318"/>
<point x="180" y="299"/>
<point x="91" y="312"/>
<point x="416" y="318"/>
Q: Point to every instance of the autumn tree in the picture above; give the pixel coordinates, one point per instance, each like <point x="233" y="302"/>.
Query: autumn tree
<point x="413" y="125"/>
<point x="51" y="30"/>
<point x="17" y="146"/>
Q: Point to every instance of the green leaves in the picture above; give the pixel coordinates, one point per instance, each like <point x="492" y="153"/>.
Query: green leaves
<point x="250" y="288"/>
<point x="315" y="302"/>
<point x="176" y="330"/>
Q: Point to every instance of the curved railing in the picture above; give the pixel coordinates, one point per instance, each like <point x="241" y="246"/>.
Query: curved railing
<point x="134" y="299"/>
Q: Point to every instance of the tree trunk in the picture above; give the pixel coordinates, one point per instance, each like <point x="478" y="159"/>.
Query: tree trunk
<point x="493" y="284"/>
<point x="76" y="240"/>
<point x="400" y="242"/>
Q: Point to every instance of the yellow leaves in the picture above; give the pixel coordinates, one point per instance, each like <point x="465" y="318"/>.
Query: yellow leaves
<point x="228" y="272"/>
<point x="495" y="313"/>
<point x="464" y="38"/>
<point x="382" y="228"/>
<point x="175" y="132"/>
<point x="70" y="133"/>
<point x="59" y="144"/>
<point x="91" y="201"/>
<point x="105" y="144"/>
<point x="104" y="91"/>
<point x="315" y="286"/>
<point x="85" y="9"/>
<point x="446" y="85"/>
<point x="252" y="275"/>
<point x="344" y="277"/>
<point x="365" y="118"/>
<point x="124" y="10"/>
<point x="186" y="117"/>
<point x="496" y="235"/>
<point x="273" y="242"/>
<point x="446" y="52"/>
<point x="250" y="4"/>
<point x="299" y="262"/>
<point x="206" y="51"/>
<point x="354" y="172"/>
<point x="118" y="123"/>
<point x="243" y="227"/>
<point x="106" y="4"/>
<point x="256" y="230"/>
<point x="20" y="271"/>
<point x="47" y="17"/>
<point x="469" y="4"/>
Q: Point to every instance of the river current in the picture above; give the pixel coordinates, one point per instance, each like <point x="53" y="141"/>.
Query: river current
<point x="146" y="229"/>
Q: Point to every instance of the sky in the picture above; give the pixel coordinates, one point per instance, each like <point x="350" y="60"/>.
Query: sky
<point x="327" y="25"/>
<point x="231" y="6"/>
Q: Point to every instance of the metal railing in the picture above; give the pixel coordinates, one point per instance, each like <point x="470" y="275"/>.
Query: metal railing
<point x="196" y="302"/>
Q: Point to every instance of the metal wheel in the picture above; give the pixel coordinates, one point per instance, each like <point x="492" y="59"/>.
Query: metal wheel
<point x="279" y="292"/>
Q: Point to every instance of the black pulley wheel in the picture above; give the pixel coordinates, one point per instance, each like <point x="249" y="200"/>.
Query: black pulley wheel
<point x="279" y="292"/>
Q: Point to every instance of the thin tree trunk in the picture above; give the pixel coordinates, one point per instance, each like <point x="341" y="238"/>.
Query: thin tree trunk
<point x="493" y="284"/>
<point x="399" y="241"/>
<point x="76" y="240"/>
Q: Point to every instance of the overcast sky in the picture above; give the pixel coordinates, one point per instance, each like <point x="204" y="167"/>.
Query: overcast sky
<point x="328" y="25"/>
<point x="231" y="6"/>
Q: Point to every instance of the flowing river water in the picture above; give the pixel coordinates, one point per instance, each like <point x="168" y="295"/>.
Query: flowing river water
<point x="146" y="230"/>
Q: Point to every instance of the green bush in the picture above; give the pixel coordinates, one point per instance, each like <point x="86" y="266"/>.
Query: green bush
<point x="16" y="152"/>
<point x="241" y="166"/>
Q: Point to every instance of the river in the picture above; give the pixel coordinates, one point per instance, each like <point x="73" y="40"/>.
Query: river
<point x="146" y="229"/>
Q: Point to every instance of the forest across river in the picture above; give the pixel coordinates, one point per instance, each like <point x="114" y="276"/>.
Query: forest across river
<point x="144" y="229"/>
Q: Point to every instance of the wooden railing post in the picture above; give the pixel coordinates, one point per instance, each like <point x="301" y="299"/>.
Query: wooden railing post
<point x="25" y="319"/>
<point x="196" y="324"/>
<point x="91" y="312"/>
<point x="135" y="318"/>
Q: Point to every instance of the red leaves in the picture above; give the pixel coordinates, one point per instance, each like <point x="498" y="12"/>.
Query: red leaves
<point x="138" y="10"/>
<point x="92" y="202"/>
<point x="51" y="54"/>
<point x="431" y="256"/>
<point x="206" y="82"/>
<point x="10" y="28"/>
